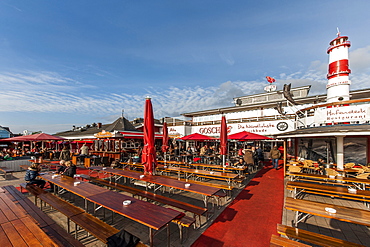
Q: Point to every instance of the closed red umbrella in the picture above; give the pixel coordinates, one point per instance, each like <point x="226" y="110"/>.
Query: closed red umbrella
<point x="223" y="139"/>
<point x="148" y="155"/>
<point x="165" y="138"/>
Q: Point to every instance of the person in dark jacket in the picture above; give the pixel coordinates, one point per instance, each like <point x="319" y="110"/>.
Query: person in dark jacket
<point x="65" y="154"/>
<point x="61" y="166"/>
<point x="32" y="174"/>
<point x="275" y="156"/>
<point x="248" y="158"/>
<point x="70" y="171"/>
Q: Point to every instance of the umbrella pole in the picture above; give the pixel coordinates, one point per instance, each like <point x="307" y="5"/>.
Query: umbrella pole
<point x="223" y="161"/>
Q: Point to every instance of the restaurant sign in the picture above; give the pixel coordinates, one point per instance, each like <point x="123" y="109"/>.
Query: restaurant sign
<point x="103" y="134"/>
<point x="342" y="114"/>
<point x="262" y="128"/>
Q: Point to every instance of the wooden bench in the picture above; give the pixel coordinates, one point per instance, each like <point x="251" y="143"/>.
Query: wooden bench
<point x="327" y="190"/>
<point x="277" y="241"/>
<point x="91" y="224"/>
<point x="24" y="167"/>
<point x="304" y="208"/>
<point x="197" y="211"/>
<point x="6" y="171"/>
<point x="312" y="237"/>
<point x="48" y="225"/>
<point x="184" y="221"/>
<point x="233" y="181"/>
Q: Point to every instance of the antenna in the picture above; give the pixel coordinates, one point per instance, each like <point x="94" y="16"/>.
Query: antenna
<point x="338" y="32"/>
<point x="123" y="110"/>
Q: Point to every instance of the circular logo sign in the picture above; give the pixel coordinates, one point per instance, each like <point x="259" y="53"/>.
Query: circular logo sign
<point x="282" y="126"/>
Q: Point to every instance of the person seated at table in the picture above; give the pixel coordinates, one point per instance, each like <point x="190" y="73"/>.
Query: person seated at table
<point x="176" y="151"/>
<point x="240" y="162"/>
<point x="61" y="166"/>
<point x="241" y="152"/>
<point x="136" y="158"/>
<point x="31" y="176"/>
<point x="7" y="156"/>
<point x="70" y="170"/>
<point x="116" y="164"/>
<point x="159" y="155"/>
<point x="321" y="163"/>
<point x="203" y="152"/>
<point x="189" y="154"/>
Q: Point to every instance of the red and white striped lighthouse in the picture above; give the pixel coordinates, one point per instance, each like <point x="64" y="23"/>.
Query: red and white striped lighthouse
<point x="338" y="72"/>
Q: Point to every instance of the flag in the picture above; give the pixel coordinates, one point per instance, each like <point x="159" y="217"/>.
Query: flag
<point x="270" y="79"/>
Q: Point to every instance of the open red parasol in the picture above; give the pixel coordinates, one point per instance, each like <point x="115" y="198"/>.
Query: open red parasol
<point x="148" y="155"/>
<point x="197" y="137"/>
<point x="245" y="136"/>
<point x="35" y="137"/>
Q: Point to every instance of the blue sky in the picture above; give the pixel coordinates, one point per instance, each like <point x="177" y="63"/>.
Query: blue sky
<point x="67" y="63"/>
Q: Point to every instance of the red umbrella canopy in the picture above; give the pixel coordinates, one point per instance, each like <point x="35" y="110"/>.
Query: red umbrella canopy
<point x="245" y="135"/>
<point x="148" y="155"/>
<point x="165" y="138"/>
<point x="197" y="137"/>
<point x="35" y="137"/>
<point x="223" y="136"/>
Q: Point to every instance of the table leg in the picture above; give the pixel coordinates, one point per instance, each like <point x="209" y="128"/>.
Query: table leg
<point x="168" y="236"/>
<point x="151" y="237"/>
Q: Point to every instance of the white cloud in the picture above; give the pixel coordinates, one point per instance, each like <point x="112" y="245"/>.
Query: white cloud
<point x="359" y="60"/>
<point x="49" y="92"/>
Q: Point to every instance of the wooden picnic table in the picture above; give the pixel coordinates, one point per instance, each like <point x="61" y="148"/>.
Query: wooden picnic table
<point x="239" y="169"/>
<point x="190" y="172"/>
<point x="151" y="215"/>
<point x="205" y="191"/>
<point x="357" y="182"/>
<point x="155" y="217"/>
<point x="44" y="163"/>
<point x="17" y="228"/>
<point x="328" y="190"/>
<point x="174" y="162"/>
<point x="163" y="164"/>
<point x="6" y="171"/>
<point x="304" y="208"/>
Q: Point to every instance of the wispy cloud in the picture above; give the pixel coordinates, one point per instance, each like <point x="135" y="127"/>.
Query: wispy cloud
<point x="51" y="92"/>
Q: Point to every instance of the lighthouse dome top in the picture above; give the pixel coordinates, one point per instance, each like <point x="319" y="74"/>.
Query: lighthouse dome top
<point x="337" y="42"/>
<point x="338" y="39"/>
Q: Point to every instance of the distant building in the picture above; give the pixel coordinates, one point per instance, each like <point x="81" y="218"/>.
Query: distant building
<point x="5" y="132"/>
<point x="92" y="131"/>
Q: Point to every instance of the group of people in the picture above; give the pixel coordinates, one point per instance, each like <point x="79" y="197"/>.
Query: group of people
<point x="250" y="157"/>
<point x="66" y="168"/>
<point x="254" y="156"/>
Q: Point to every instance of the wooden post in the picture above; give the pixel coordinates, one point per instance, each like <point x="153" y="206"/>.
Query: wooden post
<point x="285" y="157"/>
